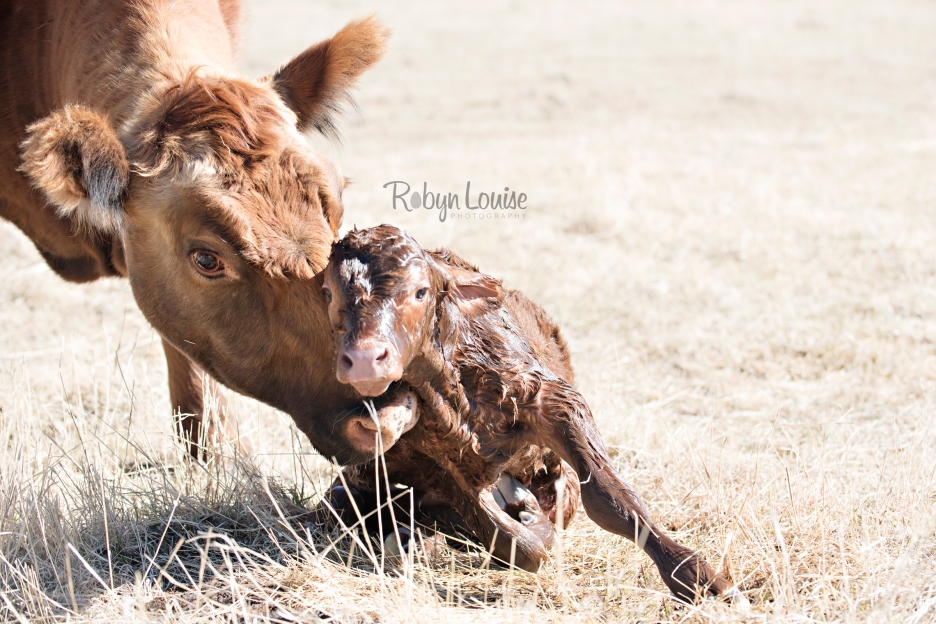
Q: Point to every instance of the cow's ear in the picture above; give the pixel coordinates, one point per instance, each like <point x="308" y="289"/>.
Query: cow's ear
<point x="75" y="158"/>
<point x="317" y="83"/>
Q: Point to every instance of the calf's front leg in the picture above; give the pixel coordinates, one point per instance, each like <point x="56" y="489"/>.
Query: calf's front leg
<point x="442" y="498"/>
<point x="525" y="545"/>
<point x="189" y="386"/>
<point x="508" y="540"/>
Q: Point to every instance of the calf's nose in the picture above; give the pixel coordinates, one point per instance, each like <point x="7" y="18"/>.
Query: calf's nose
<point x="363" y="364"/>
<point x="370" y="369"/>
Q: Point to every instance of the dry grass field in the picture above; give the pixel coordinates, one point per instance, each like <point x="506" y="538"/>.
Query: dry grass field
<point x="732" y="213"/>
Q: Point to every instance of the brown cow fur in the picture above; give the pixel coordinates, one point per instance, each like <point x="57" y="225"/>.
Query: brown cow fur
<point x="129" y="148"/>
<point x="495" y="382"/>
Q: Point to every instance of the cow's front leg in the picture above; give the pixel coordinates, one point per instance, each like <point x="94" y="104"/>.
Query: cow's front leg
<point x="189" y="390"/>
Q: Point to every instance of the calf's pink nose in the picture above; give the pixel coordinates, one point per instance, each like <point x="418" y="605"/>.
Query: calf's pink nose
<point x="363" y="364"/>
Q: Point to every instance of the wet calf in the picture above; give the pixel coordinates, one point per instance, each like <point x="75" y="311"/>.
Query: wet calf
<point x="498" y="413"/>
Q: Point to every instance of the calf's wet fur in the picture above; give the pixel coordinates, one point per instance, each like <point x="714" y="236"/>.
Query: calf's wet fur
<point x="498" y="415"/>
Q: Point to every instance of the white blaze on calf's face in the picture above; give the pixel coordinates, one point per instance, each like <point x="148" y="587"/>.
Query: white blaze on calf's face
<point x="377" y="333"/>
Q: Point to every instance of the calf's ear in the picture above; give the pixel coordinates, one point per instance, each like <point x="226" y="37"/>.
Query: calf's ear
<point x="473" y="291"/>
<point x="470" y="285"/>
<point x="316" y="83"/>
<point x="75" y="158"/>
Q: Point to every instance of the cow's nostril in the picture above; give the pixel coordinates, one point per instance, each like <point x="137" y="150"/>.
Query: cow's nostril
<point x="347" y="362"/>
<point x="382" y="356"/>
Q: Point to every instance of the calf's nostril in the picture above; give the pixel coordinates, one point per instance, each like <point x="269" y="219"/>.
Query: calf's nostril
<point x="383" y="356"/>
<point x="347" y="362"/>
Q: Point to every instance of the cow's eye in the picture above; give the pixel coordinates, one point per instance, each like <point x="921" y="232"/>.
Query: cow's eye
<point x="207" y="263"/>
<point x="327" y="294"/>
<point x="421" y="293"/>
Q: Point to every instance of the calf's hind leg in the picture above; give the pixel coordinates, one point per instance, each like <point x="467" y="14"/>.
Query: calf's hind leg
<point x="568" y="428"/>
<point x="188" y="388"/>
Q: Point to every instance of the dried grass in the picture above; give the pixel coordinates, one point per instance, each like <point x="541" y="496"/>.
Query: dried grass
<point x="732" y="218"/>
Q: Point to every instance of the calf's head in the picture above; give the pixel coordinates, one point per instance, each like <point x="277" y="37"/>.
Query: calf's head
<point x="388" y="300"/>
<point x="217" y="209"/>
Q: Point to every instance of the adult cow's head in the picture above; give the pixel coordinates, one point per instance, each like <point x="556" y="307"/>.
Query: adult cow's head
<point x="221" y="214"/>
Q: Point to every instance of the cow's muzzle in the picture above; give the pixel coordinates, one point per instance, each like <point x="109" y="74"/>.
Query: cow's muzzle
<point x="371" y="435"/>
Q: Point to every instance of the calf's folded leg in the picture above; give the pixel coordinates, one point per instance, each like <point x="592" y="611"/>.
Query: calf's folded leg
<point x="349" y="502"/>
<point x="446" y="500"/>
<point x="507" y="539"/>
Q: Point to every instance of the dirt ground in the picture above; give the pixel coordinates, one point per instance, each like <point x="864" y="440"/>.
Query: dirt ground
<point x="731" y="213"/>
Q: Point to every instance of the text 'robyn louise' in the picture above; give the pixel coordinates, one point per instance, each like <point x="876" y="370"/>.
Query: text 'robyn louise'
<point x="509" y="201"/>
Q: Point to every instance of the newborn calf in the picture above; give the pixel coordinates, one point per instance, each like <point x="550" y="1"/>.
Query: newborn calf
<point x="498" y="412"/>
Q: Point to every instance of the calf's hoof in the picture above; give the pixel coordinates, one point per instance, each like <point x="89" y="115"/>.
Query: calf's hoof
<point x="520" y="504"/>
<point x="733" y="595"/>
<point x="695" y="580"/>
<point x="338" y="506"/>
<point x="398" y="542"/>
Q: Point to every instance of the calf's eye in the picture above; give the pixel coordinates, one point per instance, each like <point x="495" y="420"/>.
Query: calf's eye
<point x="207" y="263"/>
<point x="327" y="294"/>
<point x="421" y="293"/>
